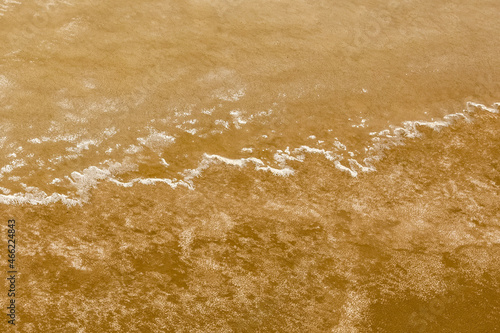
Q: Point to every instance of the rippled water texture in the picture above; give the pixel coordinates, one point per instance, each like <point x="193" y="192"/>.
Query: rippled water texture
<point x="252" y="166"/>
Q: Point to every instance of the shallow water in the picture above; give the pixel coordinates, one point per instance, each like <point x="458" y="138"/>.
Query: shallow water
<point x="251" y="166"/>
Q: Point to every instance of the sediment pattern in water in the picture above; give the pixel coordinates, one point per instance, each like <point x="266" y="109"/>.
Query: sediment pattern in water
<point x="250" y="166"/>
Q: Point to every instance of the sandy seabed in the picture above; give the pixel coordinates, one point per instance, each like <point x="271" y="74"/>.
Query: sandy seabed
<point x="247" y="166"/>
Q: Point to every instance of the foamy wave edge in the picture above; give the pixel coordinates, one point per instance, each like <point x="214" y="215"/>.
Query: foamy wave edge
<point x="383" y="141"/>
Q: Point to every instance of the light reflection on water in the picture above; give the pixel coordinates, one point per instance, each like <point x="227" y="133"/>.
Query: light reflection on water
<point x="224" y="136"/>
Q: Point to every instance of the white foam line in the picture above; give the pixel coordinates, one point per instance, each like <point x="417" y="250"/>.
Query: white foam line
<point x="410" y="130"/>
<point x="91" y="176"/>
<point x="285" y="172"/>
<point x="164" y="163"/>
<point x="339" y="166"/>
<point x="171" y="183"/>
<point x="493" y="109"/>
<point x="205" y="163"/>
<point x="356" y="165"/>
<point x="335" y="158"/>
<point x="151" y="181"/>
<point x="241" y="162"/>
<point x="283" y="156"/>
<point x="394" y="138"/>
<point x="208" y="160"/>
<point x="327" y="153"/>
<point x="117" y="182"/>
<point x="40" y="198"/>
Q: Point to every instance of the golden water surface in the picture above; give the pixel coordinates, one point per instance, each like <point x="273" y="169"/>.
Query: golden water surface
<point x="251" y="166"/>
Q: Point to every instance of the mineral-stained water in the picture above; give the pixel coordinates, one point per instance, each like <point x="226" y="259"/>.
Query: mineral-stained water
<point x="252" y="166"/>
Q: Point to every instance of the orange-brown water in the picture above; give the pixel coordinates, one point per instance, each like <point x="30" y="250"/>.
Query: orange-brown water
<point x="251" y="166"/>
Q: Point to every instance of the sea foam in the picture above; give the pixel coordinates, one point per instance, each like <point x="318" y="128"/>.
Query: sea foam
<point x="90" y="177"/>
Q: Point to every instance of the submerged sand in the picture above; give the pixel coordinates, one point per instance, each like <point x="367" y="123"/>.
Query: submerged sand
<point x="248" y="166"/>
